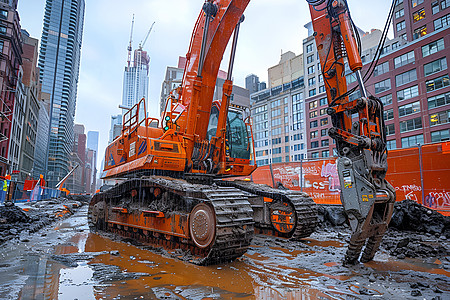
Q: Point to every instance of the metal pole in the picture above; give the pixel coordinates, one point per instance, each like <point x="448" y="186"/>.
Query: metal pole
<point x="233" y="48"/>
<point x="421" y="172"/>
<point x="301" y="175"/>
<point x="362" y="88"/>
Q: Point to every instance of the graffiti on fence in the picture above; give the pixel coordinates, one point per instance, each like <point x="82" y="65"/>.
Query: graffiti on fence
<point x="438" y="199"/>
<point x="330" y="170"/>
<point x="410" y="191"/>
<point x="317" y="178"/>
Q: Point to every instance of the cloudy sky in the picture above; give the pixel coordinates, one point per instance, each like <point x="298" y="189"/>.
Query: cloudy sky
<point x="270" y="27"/>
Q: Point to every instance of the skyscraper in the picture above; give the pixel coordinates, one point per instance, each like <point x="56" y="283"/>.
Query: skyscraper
<point x="135" y="79"/>
<point x="92" y="140"/>
<point x="59" y="63"/>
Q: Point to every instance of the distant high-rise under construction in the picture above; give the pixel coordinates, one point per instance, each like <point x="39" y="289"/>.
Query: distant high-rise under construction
<point x="135" y="79"/>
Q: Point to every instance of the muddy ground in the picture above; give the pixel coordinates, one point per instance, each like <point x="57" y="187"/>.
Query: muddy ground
<point x="64" y="260"/>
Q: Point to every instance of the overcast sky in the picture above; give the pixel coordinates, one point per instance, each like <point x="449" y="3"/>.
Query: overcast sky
<point x="270" y="27"/>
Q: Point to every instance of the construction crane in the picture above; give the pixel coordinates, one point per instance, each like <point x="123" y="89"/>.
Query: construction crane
<point x="141" y="45"/>
<point x="130" y="48"/>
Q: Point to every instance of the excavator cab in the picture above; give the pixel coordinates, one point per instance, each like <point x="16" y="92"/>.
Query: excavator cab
<point x="238" y="133"/>
<point x="238" y="143"/>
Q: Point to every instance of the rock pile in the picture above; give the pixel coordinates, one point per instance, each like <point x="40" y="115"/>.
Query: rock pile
<point x="14" y="220"/>
<point x="411" y="216"/>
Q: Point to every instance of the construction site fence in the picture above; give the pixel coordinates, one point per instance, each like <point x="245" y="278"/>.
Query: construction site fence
<point x="14" y="191"/>
<point x="419" y="173"/>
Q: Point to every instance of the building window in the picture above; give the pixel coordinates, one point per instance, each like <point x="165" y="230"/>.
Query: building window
<point x="314" y="144"/>
<point x="315" y="155"/>
<point x="439" y="100"/>
<point x="310" y="69"/>
<point x="310" y="59"/>
<point x="323" y="101"/>
<point x="312" y="92"/>
<point x="412" y="141"/>
<point x="275" y="113"/>
<point x="433" y="47"/>
<point x="313" y="114"/>
<point x="320" y="78"/>
<point x="275" y="103"/>
<point x="441" y="135"/>
<point x="435" y="66"/>
<point x="442" y="117"/>
<point x="3" y="14"/>
<point x="277" y="150"/>
<point x="326" y="153"/>
<point x="321" y="89"/>
<point x="277" y="131"/>
<point x="323" y="121"/>
<point x="403" y="59"/>
<point x="399" y="13"/>
<point x="390" y="129"/>
<point x="401" y="25"/>
<point x="408" y="109"/>
<point x="3" y="29"/>
<point x="382" y="86"/>
<point x="324" y="132"/>
<point x="325" y="143"/>
<point x="313" y="124"/>
<point x="382" y="68"/>
<point x="1" y="46"/>
<point x="386" y="100"/>
<point x="405" y="77"/>
<point x="388" y="114"/>
<point x="419" y="15"/>
<point x="442" y="22"/>
<point x="314" y="134"/>
<point x="323" y="111"/>
<point x="419" y="32"/>
<point x="309" y="48"/>
<point x="277" y="160"/>
<point x="411" y="124"/>
<point x="395" y="45"/>
<point x="414" y="3"/>
<point x="435" y="7"/>
<point x="392" y="144"/>
<point x="445" y="4"/>
<point x="313" y="104"/>
<point x="407" y="93"/>
<point x="311" y="81"/>
<point x="397" y="2"/>
<point x="437" y="83"/>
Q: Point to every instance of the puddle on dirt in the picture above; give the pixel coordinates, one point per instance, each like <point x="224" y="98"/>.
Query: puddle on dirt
<point x="122" y="271"/>
<point x="329" y="243"/>
<point x="90" y="266"/>
<point x="407" y="264"/>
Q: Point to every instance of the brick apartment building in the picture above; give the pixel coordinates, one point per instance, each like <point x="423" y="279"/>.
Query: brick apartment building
<point x="411" y="79"/>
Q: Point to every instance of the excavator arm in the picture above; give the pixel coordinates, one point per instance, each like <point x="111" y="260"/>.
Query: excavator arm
<point x="368" y="199"/>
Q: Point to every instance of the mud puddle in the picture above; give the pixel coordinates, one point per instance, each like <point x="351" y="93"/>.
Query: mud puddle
<point x="69" y="262"/>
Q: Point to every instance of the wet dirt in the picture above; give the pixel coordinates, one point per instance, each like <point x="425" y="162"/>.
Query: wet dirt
<point x="67" y="261"/>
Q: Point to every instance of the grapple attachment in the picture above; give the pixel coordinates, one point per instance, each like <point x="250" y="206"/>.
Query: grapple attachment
<point x="369" y="204"/>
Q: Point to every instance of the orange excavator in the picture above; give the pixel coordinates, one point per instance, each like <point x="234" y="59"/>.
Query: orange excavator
<point x="173" y="191"/>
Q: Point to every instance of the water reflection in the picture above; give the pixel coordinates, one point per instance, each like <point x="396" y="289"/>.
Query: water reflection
<point x="90" y="266"/>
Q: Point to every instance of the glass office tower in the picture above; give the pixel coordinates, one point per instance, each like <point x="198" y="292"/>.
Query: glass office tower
<point x="59" y="63"/>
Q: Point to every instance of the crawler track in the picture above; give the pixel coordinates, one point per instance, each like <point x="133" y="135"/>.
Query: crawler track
<point x="132" y="210"/>
<point x="300" y="205"/>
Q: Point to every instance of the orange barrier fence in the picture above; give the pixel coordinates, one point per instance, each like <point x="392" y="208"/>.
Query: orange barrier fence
<point x="421" y="174"/>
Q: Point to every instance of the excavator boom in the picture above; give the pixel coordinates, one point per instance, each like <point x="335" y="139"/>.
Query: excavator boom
<point x="367" y="197"/>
